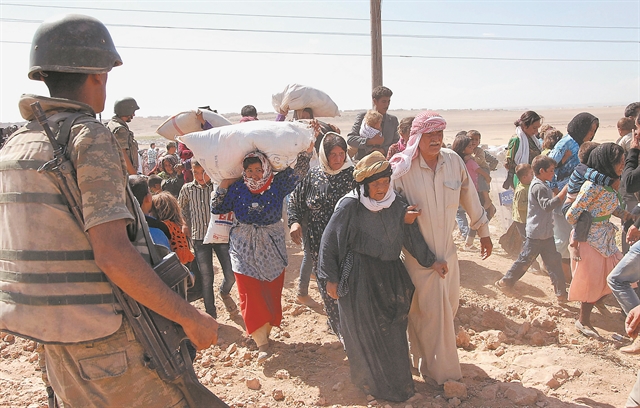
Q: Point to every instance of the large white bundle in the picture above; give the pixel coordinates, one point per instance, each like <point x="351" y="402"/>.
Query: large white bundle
<point x="187" y="122"/>
<point x="221" y="150"/>
<point x="297" y="96"/>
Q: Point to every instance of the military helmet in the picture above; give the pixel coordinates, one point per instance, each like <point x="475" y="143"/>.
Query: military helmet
<point x="72" y="43"/>
<point x="125" y="107"/>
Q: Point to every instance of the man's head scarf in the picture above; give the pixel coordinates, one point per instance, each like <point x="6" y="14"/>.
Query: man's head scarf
<point x="580" y="125"/>
<point x="425" y="122"/>
<point x="259" y="186"/>
<point x="604" y="158"/>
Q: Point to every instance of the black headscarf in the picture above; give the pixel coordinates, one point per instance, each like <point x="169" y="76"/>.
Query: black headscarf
<point x="580" y="126"/>
<point x="604" y="157"/>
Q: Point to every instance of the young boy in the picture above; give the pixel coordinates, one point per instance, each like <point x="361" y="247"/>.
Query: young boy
<point x="520" y="197"/>
<point x="155" y="184"/>
<point x="194" y="201"/>
<point x="539" y="230"/>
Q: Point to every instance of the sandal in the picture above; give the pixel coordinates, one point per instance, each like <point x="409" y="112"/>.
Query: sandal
<point x="229" y="303"/>
<point x="588" y="331"/>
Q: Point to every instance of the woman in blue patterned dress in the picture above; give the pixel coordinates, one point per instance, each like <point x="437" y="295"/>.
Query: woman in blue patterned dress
<point x="256" y="241"/>
<point x="314" y="200"/>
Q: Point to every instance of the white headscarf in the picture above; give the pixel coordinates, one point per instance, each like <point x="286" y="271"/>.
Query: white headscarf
<point x="522" y="154"/>
<point x="324" y="160"/>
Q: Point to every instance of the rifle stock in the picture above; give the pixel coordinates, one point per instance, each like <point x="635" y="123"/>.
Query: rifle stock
<point x="161" y="338"/>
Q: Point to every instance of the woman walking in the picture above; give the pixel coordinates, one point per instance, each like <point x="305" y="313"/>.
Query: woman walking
<point x="314" y="199"/>
<point x="360" y="259"/>
<point x="600" y="254"/>
<point x="256" y="241"/>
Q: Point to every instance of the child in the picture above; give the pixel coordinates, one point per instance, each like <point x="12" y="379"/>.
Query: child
<point x="168" y="211"/>
<point x="370" y="128"/>
<point x="625" y="130"/>
<point x="486" y="162"/>
<point x="520" y="197"/>
<point x="404" y="130"/>
<point x="463" y="145"/>
<point x="539" y="231"/>
<point x="551" y="137"/>
<point x="194" y="202"/>
<point x="155" y="184"/>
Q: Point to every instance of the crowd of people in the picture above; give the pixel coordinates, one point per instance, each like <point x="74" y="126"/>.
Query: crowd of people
<point x="375" y="211"/>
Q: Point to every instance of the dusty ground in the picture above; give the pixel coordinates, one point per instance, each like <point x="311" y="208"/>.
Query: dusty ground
<point x="514" y="351"/>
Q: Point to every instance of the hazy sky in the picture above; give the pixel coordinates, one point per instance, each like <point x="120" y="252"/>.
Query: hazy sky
<point x="483" y="70"/>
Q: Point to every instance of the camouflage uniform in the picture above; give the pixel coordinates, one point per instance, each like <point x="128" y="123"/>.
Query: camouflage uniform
<point x="51" y="289"/>
<point x="125" y="139"/>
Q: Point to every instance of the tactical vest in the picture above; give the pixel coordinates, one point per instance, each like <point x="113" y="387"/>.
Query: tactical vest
<point x="51" y="289"/>
<point x="117" y="125"/>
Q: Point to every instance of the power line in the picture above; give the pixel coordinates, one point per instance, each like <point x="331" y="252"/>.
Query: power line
<point x="200" y="13"/>
<point x="351" y="55"/>
<point x="335" y="33"/>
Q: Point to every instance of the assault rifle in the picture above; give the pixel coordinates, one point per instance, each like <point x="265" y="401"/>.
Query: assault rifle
<point x="163" y="340"/>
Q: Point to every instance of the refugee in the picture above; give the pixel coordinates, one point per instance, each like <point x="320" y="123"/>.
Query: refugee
<point x="523" y="146"/>
<point x="463" y="145"/>
<point x="625" y="127"/>
<point x="365" y="275"/>
<point x="171" y="174"/>
<point x="404" y="129"/>
<point x="314" y="199"/>
<point x="421" y="173"/>
<point x="168" y="211"/>
<point x="194" y="201"/>
<point x="539" y="231"/>
<point x="370" y="128"/>
<point x="600" y="254"/>
<point x="256" y="241"/>
<point x="158" y="230"/>
<point x="582" y="128"/>
<point x="550" y="139"/>
<point x="381" y="97"/>
<point x="249" y="113"/>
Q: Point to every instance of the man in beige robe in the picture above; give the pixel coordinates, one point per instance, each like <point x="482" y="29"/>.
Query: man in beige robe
<point x="436" y="180"/>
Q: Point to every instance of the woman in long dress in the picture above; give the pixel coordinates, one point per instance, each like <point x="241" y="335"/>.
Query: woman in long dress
<point x="600" y="254"/>
<point x="256" y="241"/>
<point x="314" y="199"/>
<point x="360" y="259"/>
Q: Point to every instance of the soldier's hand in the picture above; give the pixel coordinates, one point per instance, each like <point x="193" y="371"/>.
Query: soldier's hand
<point x="202" y="331"/>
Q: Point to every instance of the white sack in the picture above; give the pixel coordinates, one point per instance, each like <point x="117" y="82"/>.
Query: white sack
<point x="221" y="150"/>
<point x="297" y="96"/>
<point x="187" y="122"/>
<point x="218" y="229"/>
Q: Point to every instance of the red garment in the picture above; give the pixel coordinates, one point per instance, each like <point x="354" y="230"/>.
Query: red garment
<point x="260" y="301"/>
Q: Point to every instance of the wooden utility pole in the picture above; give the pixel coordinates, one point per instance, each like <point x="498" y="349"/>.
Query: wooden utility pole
<point x="376" y="43"/>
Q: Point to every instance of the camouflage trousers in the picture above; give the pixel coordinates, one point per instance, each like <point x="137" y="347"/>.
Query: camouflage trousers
<point x="107" y="373"/>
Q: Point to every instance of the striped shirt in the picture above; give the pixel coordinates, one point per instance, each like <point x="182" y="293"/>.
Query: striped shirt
<point x="194" y="201"/>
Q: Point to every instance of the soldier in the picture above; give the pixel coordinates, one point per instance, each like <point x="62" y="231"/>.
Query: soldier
<point x="125" y="109"/>
<point x="53" y="277"/>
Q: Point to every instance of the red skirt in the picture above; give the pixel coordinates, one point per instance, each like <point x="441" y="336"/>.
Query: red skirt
<point x="260" y="301"/>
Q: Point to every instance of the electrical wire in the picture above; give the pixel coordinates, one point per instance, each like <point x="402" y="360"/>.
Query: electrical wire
<point x="334" y="33"/>
<point x="351" y="55"/>
<point x="209" y="13"/>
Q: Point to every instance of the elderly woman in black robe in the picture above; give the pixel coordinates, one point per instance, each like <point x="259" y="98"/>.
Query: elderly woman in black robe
<point x="360" y="260"/>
